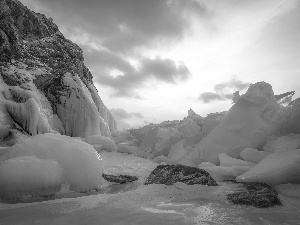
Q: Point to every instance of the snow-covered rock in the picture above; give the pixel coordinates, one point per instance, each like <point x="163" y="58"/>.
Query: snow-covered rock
<point x="80" y="164"/>
<point x="276" y="168"/>
<point x="248" y="124"/>
<point x="105" y="142"/>
<point x="253" y="155"/>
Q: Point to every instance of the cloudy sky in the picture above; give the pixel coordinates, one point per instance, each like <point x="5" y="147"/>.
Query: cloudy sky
<point x="152" y="60"/>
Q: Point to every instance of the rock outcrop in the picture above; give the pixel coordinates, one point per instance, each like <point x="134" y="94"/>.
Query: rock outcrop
<point x="43" y="73"/>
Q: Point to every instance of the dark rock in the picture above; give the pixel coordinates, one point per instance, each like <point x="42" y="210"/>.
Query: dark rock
<point x="120" y="179"/>
<point x="259" y="195"/>
<point x="169" y="174"/>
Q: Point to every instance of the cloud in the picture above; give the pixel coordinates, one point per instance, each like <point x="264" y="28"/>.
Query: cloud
<point x="132" y="78"/>
<point x="111" y="32"/>
<point x="123" y="26"/>
<point x="126" y="119"/>
<point x="207" y="97"/>
<point x="224" y="90"/>
<point x="121" y="114"/>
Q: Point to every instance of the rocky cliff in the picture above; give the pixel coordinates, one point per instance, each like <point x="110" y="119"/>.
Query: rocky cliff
<point x="45" y="86"/>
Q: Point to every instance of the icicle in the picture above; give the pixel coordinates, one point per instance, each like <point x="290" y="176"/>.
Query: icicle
<point x="78" y="112"/>
<point x="28" y="115"/>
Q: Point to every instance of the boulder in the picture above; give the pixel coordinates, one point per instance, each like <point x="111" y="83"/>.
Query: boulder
<point x="170" y="174"/>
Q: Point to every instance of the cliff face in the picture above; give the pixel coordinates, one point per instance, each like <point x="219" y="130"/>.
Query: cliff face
<point x="43" y="74"/>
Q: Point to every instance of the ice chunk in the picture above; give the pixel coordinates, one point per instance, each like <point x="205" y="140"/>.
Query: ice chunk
<point x="283" y="143"/>
<point x="28" y="175"/>
<point x="163" y="145"/>
<point x="291" y="190"/>
<point x="228" y="161"/>
<point x="253" y="155"/>
<point x="28" y="115"/>
<point x="149" y="140"/>
<point x="222" y="173"/>
<point x="211" y="121"/>
<point x="276" y="168"/>
<point x="206" y="164"/>
<point x="105" y="142"/>
<point x="250" y="121"/>
<point x="177" y="152"/>
<point x="81" y="164"/>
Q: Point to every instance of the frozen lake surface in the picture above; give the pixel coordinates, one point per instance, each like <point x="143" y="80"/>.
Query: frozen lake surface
<point x="135" y="203"/>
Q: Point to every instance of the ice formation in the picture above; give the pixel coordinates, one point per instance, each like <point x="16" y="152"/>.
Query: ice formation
<point x="104" y="142"/>
<point x="77" y="111"/>
<point x="250" y="121"/>
<point x="28" y="116"/>
<point x="81" y="165"/>
<point x="253" y="155"/>
<point x="276" y="168"/>
<point x="283" y="143"/>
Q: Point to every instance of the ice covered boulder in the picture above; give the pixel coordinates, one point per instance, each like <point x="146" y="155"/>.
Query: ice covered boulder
<point x="28" y="175"/>
<point x="177" y="152"/>
<point x="253" y="155"/>
<point x="228" y="161"/>
<point x="254" y="117"/>
<point x="283" y="143"/>
<point x="105" y="142"/>
<point x="276" y="168"/>
<point x="81" y="165"/>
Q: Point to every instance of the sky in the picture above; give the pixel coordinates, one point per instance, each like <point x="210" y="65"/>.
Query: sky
<point x="153" y="60"/>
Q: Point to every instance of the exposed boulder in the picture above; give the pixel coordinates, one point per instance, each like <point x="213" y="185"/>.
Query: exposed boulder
<point x="255" y="194"/>
<point x="120" y="179"/>
<point x="170" y="174"/>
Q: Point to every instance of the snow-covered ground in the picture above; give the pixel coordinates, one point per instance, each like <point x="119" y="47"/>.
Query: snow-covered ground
<point x="151" y="204"/>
